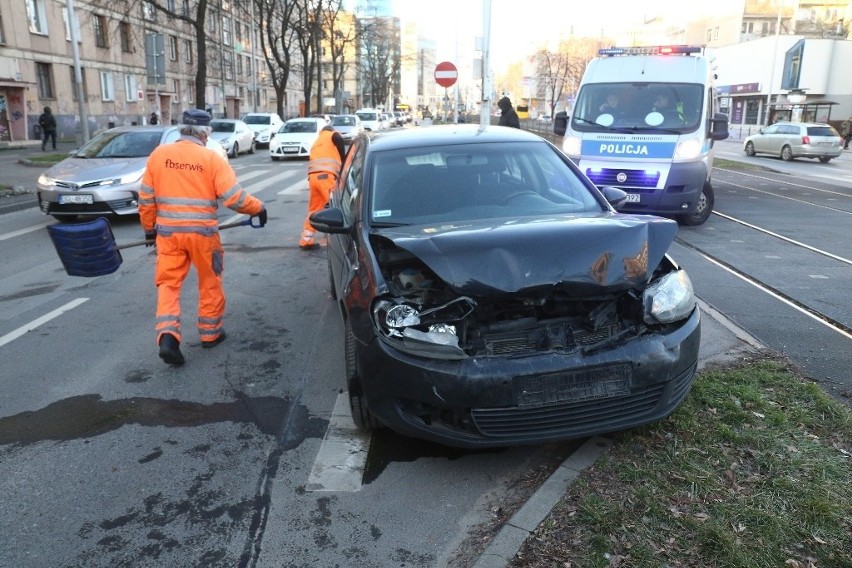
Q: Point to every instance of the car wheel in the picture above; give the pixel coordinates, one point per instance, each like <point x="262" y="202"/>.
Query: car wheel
<point x="360" y="413"/>
<point x="749" y="149"/>
<point x="703" y="210"/>
<point x="824" y="159"/>
<point x="251" y="148"/>
<point x="275" y="158"/>
<point x="65" y="218"/>
<point x="235" y="151"/>
<point x="787" y="154"/>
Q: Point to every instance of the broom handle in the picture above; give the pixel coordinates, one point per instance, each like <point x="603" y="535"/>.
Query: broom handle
<point x="230" y="225"/>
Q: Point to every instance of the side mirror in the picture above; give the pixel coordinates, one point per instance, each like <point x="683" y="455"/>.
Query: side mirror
<point x="614" y="196"/>
<point x="560" y="123"/>
<point x="719" y="126"/>
<point x="329" y="220"/>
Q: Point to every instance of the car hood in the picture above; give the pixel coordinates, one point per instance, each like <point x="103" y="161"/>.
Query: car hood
<point x="84" y="170"/>
<point x="578" y="255"/>
<point x="222" y="136"/>
<point x="259" y="127"/>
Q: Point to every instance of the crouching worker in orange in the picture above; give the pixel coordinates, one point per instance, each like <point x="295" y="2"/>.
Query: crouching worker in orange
<point x="323" y="170"/>
<point x="182" y="185"/>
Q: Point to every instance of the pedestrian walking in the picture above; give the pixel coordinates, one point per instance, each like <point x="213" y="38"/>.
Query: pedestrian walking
<point x="508" y="116"/>
<point x="324" y="165"/>
<point x="154" y="119"/>
<point x="182" y="185"/>
<point x="47" y="123"/>
<point x="846" y="132"/>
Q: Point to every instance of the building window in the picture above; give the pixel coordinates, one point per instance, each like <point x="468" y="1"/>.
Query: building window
<point x="107" y="86"/>
<point x="709" y="35"/>
<point x="229" y="65"/>
<point x="44" y="79"/>
<point x="125" y="33"/>
<point x="238" y="30"/>
<point x="101" y="27"/>
<point x="149" y="12"/>
<point x="187" y="51"/>
<point x="190" y="91"/>
<point x="226" y="31"/>
<point x="74" y="83"/>
<point x="173" y="43"/>
<point x="716" y="33"/>
<point x="185" y="8"/>
<point x="37" y="16"/>
<point x="130" y="88"/>
<point x="2" y="34"/>
<point x="239" y="65"/>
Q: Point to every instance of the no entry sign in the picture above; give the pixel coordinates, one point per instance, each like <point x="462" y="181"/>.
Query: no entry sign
<point x="446" y="74"/>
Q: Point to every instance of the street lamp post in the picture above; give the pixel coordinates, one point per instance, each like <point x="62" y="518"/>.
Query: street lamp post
<point x="774" y="58"/>
<point x="78" y="74"/>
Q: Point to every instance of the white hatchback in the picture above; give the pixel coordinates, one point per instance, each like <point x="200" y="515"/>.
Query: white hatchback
<point x="264" y="125"/>
<point x="295" y="138"/>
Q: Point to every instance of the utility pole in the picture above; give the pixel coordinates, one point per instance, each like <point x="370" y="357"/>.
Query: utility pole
<point x="485" y="108"/>
<point x="774" y="57"/>
<point x="253" y="61"/>
<point x="78" y="74"/>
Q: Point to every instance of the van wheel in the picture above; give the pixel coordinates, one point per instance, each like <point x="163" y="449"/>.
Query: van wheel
<point x="361" y="415"/>
<point x="703" y="210"/>
<point x="787" y="154"/>
<point x="824" y="159"/>
<point x="749" y="149"/>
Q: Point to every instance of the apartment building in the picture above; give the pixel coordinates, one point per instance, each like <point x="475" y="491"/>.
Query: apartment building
<point x="132" y="65"/>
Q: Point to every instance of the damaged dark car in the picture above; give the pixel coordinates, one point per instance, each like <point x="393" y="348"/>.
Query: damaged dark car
<point x="492" y="296"/>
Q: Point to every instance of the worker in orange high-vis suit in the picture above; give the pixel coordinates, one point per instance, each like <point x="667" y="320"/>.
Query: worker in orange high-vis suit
<point x="181" y="188"/>
<point x="323" y="170"/>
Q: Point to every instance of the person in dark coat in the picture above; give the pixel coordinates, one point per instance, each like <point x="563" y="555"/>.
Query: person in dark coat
<point x="47" y="122"/>
<point x="154" y="119"/>
<point x="508" y="116"/>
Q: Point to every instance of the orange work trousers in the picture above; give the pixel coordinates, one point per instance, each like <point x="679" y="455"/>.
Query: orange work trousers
<point x="175" y="254"/>
<point x="320" y="185"/>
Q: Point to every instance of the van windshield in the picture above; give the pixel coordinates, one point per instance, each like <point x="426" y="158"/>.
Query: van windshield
<point x="638" y="107"/>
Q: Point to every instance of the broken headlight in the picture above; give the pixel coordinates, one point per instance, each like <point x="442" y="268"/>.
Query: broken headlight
<point x="669" y="299"/>
<point x="436" y="325"/>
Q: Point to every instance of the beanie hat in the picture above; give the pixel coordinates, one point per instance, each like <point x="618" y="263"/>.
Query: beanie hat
<point x="196" y="117"/>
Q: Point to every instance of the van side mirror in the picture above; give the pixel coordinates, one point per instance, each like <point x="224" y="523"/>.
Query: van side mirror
<point x="560" y="123"/>
<point x="719" y="126"/>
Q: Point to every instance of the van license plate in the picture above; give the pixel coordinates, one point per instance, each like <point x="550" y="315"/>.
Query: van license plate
<point x="633" y="198"/>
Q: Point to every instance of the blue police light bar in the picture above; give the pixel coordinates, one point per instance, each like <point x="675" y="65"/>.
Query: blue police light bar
<point x="651" y="50"/>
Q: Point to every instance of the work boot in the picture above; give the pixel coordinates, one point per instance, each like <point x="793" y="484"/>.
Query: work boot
<point x="213" y="342"/>
<point x="307" y="242"/>
<point x="170" y="349"/>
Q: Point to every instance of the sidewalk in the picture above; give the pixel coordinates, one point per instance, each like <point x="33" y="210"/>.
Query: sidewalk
<point x="15" y="173"/>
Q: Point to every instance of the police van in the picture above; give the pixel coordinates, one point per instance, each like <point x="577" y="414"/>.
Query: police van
<point x="645" y="120"/>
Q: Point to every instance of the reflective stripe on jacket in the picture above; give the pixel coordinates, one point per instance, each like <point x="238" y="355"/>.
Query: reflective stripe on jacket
<point x="325" y="157"/>
<point x="181" y="187"/>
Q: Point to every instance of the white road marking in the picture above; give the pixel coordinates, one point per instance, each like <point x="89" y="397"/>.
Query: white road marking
<point x="11" y="336"/>
<point x="255" y="187"/>
<point x="251" y="175"/>
<point x="339" y="465"/>
<point x="20" y="232"/>
<point x="297" y="187"/>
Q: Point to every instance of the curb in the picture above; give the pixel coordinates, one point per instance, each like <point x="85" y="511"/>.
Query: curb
<point x="523" y="523"/>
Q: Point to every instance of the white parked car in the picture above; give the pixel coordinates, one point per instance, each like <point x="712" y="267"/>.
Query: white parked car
<point x="348" y="125"/>
<point x="264" y="125"/>
<point x="295" y="138"/>
<point x="371" y="118"/>
<point x="233" y="134"/>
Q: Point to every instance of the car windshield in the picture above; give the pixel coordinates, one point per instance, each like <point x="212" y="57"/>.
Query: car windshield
<point x="638" y="107"/>
<point x="457" y="183"/>
<point x="222" y="126"/>
<point x="372" y="116"/>
<point x="257" y="119"/>
<point x="120" y="144"/>
<point x="299" y="127"/>
<point x="342" y="121"/>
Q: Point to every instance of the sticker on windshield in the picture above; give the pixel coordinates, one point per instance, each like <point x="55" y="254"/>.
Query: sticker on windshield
<point x="382" y="213"/>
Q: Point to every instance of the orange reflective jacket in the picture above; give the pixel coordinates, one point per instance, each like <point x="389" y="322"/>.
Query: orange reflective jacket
<point x="181" y="187"/>
<point x="325" y="157"/>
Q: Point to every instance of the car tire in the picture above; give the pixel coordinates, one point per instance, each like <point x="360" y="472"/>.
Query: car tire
<point x="749" y="149"/>
<point x="251" y="148"/>
<point x="275" y="158"/>
<point x="703" y="210"/>
<point x="361" y="415"/>
<point x="824" y="159"/>
<point x="235" y="151"/>
<point x="787" y="154"/>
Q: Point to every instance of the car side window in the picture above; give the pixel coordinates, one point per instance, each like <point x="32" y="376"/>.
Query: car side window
<point x="771" y="129"/>
<point x="353" y="172"/>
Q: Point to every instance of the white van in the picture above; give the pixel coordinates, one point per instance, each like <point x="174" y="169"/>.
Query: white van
<point x="370" y="118"/>
<point x="645" y="121"/>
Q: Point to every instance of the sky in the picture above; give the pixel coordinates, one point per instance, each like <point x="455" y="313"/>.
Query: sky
<point x="519" y="27"/>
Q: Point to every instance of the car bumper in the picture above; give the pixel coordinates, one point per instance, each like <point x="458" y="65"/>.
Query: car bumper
<point x="495" y="402"/>
<point x="85" y="202"/>
<point x="818" y="152"/>
<point x="289" y="152"/>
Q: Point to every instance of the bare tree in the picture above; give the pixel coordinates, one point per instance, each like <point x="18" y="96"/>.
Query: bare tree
<point x="380" y="61"/>
<point x="280" y="26"/>
<point x="561" y="71"/>
<point x="341" y="37"/>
